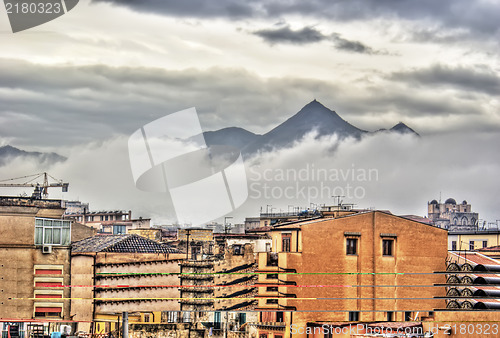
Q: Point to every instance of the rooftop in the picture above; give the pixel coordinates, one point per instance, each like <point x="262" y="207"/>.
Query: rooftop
<point x="121" y="243"/>
<point x="30" y="202"/>
<point x="475" y="258"/>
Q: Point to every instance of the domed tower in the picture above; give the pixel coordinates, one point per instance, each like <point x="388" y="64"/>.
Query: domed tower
<point x="433" y="209"/>
<point x="450" y="201"/>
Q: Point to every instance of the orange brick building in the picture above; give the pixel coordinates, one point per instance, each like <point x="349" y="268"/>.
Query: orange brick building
<point x="363" y="267"/>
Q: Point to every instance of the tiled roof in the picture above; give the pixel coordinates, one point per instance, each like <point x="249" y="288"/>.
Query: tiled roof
<point x="121" y="243"/>
<point x="477" y="258"/>
<point x="491" y="248"/>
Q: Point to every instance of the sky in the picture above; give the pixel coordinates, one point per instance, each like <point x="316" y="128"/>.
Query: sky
<point x="80" y="85"/>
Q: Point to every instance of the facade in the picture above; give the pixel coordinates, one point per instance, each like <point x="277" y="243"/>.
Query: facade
<point x="473" y="240"/>
<point x="75" y="207"/>
<point x="301" y="280"/>
<point x="122" y="273"/>
<point x="452" y="216"/>
<point x="35" y="262"/>
<point x="219" y="291"/>
<point x="199" y="242"/>
<point x="115" y="222"/>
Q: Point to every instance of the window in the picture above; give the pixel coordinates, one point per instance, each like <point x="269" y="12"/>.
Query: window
<point x="237" y="249"/>
<point x="217" y="320"/>
<point x="485" y="244"/>
<point x="146" y="318"/>
<point x="351" y="246"/>
<point x="387" y="247"/>
<point x="48" y="309"/>
<point x="272" y="289"/>
<point x="453" y="245"/>
<point x="272" y="301"/>
<point x="390" y="316"/>
<point x="471" y="245"/>
<point x="285" y="242"/>
<point x="280" y="318"/>
<point x="119" y="229"/>
<point x="272" y="276"/>
<point x="242" y="318"/>
<point x="52" y="232"/>
<point x="48" y="294"/>
<point x="263" y="335"/>
<point x="408" y="316"/>
<point x="48" y="269"/>
<point x="48" y="282"/>
<point x="268" y="247"/>
<point x="353" y="316"/>
<point x="172" y="317"/>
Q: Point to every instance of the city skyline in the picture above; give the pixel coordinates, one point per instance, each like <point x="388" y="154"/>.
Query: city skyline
<point x="80" y="85"/>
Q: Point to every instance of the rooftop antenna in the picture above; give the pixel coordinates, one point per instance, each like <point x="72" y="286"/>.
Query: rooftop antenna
<point x="338" y="197"/>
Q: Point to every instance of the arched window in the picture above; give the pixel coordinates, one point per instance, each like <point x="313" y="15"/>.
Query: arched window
<point x="473" y="221"/>
<point x="455" y="221"/>
<point x="464" y="220"/>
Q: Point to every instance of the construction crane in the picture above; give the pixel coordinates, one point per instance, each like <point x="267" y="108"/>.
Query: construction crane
<point x="41" y="189"/>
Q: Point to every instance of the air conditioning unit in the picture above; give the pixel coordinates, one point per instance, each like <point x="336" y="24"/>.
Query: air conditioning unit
<point x="46" y="249"/>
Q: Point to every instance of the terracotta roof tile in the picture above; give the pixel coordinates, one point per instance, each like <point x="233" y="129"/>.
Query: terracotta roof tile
<point x="121" y="243"/>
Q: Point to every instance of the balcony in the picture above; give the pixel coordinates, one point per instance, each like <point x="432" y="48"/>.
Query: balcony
<point x="268" y="261"/>
<point x="197" y="264"/>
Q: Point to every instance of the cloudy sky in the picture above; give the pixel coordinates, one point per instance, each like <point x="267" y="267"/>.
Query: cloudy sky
<point x="81" y="84"/>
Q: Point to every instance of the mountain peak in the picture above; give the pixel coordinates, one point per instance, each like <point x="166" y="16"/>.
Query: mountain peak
<point x="403" y="129"/>
<point x="315" y="104"/>
<point x="314" y="116"/>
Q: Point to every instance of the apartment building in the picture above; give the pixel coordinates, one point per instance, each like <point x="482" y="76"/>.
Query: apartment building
<point x="111" y="274"/>
<point x="35" y="262"/>
<point x="365" y="266"/>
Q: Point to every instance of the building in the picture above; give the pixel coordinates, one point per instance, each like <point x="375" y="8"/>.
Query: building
<point x="75" y="207"/>
<point x="460" y="240"/>
<point x="317" y="267"/>
<point x="113" y="222"/>
<point x="122" y="273"/>
<point x="452" y="216"/>
<point x="35" y="263"/>
<point x="199" y="242"/>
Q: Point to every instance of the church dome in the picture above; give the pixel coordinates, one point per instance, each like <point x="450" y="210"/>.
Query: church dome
<point x="450" y="201"/>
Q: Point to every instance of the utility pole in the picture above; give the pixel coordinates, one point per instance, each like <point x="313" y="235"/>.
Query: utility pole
<point x="125" y="324"/>
<point x="225" y="324"/>
<point x="187" y="244"/>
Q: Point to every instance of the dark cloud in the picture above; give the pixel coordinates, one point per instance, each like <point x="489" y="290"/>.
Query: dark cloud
<point x="309" y="35"/>
<point x="285" y="34"/>
<point x="44" y="105"/>
<point x="351" y="46"/>
<point x="50" y="106"/>
<point x="477" y="16"/>
<point x="480" y="79"/>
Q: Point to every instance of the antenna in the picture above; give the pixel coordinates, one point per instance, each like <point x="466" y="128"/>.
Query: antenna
<point x="338" y="197"/>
